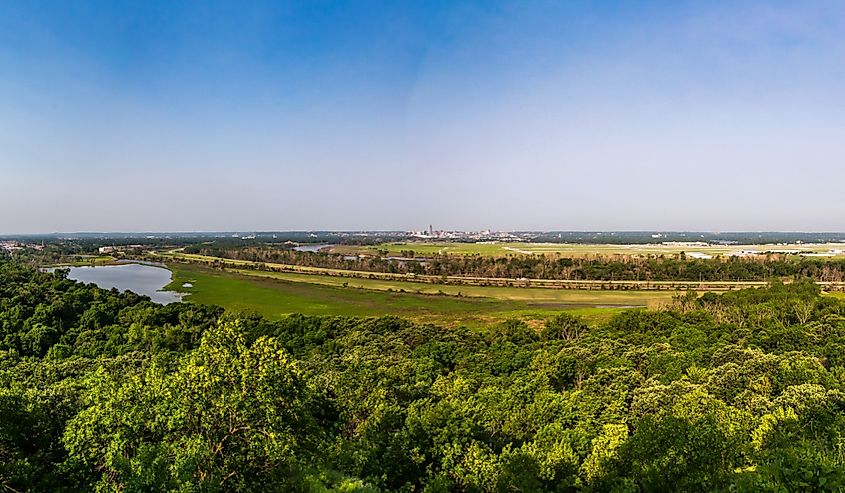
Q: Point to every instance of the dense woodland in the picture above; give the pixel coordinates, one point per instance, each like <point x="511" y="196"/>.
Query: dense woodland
<point x="593" y="267"/>
<point x="102" y="391"/>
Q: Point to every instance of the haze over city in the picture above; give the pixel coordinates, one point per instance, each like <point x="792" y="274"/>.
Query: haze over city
<point x="219" y="116"/>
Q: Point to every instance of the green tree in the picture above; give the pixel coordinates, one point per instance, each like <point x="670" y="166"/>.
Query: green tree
<point x="230" y="417"/>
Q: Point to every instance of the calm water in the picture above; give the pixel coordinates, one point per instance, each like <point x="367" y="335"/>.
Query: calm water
<point x="311" y="248"/>
<point x="144" y="279"/>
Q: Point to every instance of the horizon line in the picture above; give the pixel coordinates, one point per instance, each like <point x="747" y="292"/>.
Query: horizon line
<point x="268" y="231"/>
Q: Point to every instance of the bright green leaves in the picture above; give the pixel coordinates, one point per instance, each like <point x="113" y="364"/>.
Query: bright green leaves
<point x="605" y="450"/>
<point x="230" y="416"/>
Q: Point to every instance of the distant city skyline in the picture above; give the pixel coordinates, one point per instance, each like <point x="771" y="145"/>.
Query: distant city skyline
<point x="651" y="235"/>
<point x="282" y="116"/>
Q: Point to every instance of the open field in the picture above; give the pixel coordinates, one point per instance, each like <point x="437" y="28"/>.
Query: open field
<point x="538" y="296"/>
<point x="275" y="295"/>
<point x="579" y="250"/>
<point x="83" y="260"/>
<point x="469" y="281"/>
<point x="238" y="285"/>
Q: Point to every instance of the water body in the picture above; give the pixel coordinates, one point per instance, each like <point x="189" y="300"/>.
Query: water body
<point x="145" y="279"/>
<point x="311" y="248"/>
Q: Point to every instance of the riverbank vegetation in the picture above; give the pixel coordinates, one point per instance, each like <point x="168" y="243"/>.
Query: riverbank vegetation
<point x="105" y="391"/>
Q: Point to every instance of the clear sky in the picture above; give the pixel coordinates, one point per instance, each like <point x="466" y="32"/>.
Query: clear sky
<point x="198" y="116"/>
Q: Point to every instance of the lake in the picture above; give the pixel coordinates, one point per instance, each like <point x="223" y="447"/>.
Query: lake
<point x="145" y="279"/>
<point x="312" y="247"/>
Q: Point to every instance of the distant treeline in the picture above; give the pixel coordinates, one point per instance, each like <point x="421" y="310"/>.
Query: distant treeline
<point x="598" y="268"/>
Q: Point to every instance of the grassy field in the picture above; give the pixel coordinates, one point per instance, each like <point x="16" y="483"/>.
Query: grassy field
<point x="533" y="296"/>
<point x="83" y="260"/>
<point x="466" y="286"/>
<point x="275" y="295"/>
<point x="234" y="264"/>
<point x="316" y="291"/>
<point x="576" y="250"/>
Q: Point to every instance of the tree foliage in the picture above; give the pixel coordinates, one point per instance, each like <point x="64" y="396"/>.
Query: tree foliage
<point x="103" y="391"/>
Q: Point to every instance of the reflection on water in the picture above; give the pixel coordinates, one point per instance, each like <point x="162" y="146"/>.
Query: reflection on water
<point x="143" y="279"/>
<point x="311" y="248"/>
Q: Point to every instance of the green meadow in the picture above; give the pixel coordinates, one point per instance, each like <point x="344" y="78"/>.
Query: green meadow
<point x="85" y="260"/>
<point x="276" y="295"/>
<point x="535" y="296"/>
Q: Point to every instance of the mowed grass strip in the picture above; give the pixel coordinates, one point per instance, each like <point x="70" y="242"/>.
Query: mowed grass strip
<point x="539" y="296"/>
<point x="275" y="297"/>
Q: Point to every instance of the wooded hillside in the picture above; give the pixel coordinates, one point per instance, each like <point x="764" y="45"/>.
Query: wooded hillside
<point x="105" y="391"/>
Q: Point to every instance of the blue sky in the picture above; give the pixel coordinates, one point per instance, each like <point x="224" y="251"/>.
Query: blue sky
<point x="119" y="116"/>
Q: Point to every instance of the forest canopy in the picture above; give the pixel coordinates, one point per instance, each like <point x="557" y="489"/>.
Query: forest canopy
<point x="107" y="391"/>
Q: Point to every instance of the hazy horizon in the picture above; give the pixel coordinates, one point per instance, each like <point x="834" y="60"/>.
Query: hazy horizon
<point x="616" y="116"/>
<point x="412" y="230"/>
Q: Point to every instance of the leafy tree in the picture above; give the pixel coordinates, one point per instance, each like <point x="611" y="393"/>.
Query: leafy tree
<point x="229" y="417"/>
